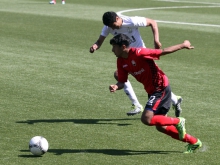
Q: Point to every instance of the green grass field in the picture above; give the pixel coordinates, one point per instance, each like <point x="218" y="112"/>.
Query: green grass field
<point x="52" y="86"/>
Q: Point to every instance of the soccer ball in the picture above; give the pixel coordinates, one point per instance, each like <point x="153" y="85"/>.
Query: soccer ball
<point x="38" y="145"/>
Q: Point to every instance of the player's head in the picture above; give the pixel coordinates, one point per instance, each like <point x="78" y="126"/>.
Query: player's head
<point x="120" y="39"/>
<point x="120" y="44"/>
<point x="112" y="20"/>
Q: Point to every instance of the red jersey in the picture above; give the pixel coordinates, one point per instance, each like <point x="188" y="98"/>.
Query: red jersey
<point x="140" y="64"/>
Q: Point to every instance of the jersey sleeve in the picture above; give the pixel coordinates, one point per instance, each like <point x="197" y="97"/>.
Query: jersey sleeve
<point x="139" y="21"/>
<point x="122" y="73"/>
<point x="153" y="54"/>
<point x="105" y="31"/>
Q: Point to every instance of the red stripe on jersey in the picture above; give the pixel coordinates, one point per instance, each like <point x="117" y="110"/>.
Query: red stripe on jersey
<point x="158" y="102"/>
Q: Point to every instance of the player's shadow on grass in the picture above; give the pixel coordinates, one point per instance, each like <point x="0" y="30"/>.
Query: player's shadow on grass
<point x="113" y="152"/>
<point x="81" y="121"/>
<point x="29" y="156"/>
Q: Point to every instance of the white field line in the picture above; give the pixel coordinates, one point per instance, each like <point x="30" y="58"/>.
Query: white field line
<point x="178" y="1"/>
<point x="185" y="23"/>
<point x="171" y="7"/>
<point x="174" y="7"/>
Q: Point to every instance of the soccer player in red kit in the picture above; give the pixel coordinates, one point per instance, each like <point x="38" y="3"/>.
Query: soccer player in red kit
<point x="115" y="23"/>
<point x="139" y="62"/>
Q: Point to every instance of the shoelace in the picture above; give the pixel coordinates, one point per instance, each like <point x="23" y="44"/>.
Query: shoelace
<point x="178" y="107"/>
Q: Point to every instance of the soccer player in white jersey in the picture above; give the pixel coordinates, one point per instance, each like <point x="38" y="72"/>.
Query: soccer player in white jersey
<point x="119" y="24"/>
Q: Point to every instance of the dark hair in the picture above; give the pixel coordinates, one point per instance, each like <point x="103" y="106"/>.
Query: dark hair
<point x="120" y="39"/>
<point x="109" y="18"/>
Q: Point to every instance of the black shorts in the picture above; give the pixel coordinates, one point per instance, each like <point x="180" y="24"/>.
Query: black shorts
<point x="159" y="102"/>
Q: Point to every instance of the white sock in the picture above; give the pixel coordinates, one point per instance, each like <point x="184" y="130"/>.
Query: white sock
<point x="173" y="98"/>
<point x="130" y="93"/>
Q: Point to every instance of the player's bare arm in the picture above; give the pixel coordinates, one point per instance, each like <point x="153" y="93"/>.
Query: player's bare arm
<point x="153" y="24"/>
<point x="185" y="45"/>
<point x="97" y="44"/>
<point x="117" y="86"/>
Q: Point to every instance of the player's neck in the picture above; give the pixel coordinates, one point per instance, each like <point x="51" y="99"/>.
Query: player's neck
<point x="125" y="53"/>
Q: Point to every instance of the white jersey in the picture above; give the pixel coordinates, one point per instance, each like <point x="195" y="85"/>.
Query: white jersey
<point x="130" y="28"/>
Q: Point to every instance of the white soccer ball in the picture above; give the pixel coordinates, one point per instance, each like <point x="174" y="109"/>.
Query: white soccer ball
<point x="38" y="145"/>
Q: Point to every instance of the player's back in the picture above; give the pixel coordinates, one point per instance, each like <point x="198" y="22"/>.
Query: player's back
<point x="129" y="27"/>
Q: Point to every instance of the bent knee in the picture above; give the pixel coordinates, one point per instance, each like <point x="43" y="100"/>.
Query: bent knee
<point x="145" y="120"/>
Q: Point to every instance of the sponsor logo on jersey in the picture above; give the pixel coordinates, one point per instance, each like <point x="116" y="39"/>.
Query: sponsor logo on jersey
<point x="133" y="63"/>
<point x="138" y="72"/>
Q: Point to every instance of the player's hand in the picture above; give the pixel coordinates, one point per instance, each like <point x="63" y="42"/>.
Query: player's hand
<point x="93" y="48"/>
<point x="113" y="88"/>
<point x="187" y="45"/>
<point x="157" y="45"/>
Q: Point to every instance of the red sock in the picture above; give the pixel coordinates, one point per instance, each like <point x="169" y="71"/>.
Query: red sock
<point x="172" y="131"/>
<point x="161" y="120"/>
<point x="190" y="139"/>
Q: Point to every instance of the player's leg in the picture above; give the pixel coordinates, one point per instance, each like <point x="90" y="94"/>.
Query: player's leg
<point x="156" y="109"/>
<point x="160" y="121"/>
<point x="176" y="101"/>
<point x="150" y="119"/>
<point x="168" y="126"/>
<point x="128" y="89"/>
<point x="193" y="142"/>
<point x="155" y="113"/>
<point x="191" y="148"/>
<point x="136" y="106"/>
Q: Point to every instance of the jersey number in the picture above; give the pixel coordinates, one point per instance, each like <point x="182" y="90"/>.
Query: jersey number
<point x="151" y="100"/>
